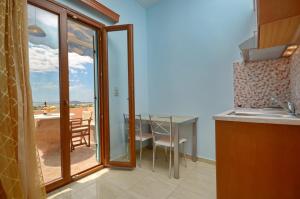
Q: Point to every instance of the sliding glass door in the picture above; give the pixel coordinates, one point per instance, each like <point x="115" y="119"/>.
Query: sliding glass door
<point x="83" y="96"/>
<point x="64" y="68"/>
<point x="81" y="74"/>
<point x="44" y="77"/>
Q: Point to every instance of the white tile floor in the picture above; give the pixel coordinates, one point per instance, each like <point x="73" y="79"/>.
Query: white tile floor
<point x="197" y="181"/>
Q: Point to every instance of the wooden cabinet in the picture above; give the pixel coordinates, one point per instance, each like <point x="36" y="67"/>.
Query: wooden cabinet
<point x="278" y="22"/>
<point x="260" y="161"/>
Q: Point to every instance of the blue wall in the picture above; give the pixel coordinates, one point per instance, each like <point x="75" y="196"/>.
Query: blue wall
<point x="130" y="12"/>
<point x="191" y="47"/>
<point x="184" y="50"/>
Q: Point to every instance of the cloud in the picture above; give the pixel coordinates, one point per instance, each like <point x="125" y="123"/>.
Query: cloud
<point x="77" y="62"/>
<point x="42" y="58"/>
<point x="80" y="92"/>
<point x="45" y="91"/>
<point x="50" y="85"/>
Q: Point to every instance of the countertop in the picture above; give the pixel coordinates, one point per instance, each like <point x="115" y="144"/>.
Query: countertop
<point x="266" y="115"/>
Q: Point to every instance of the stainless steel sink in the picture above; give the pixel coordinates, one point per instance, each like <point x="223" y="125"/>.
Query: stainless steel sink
<point x="255" y="114"/>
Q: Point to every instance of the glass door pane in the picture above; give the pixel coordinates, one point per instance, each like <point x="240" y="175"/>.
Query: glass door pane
<point x="83" y="95"/>
<point x="44" y="78"/>
<point x="120" y="95"/>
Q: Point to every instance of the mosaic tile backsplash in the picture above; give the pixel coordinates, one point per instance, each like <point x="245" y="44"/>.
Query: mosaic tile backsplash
<point x="295" y="79"/>
<point x="256" y="82"/>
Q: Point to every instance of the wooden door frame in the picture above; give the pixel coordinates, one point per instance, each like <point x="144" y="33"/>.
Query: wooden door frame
<point x="131" y="95"/>
<point x="63" y="14"/>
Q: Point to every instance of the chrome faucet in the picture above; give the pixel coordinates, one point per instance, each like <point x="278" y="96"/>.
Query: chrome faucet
<point x="290" y="107"/>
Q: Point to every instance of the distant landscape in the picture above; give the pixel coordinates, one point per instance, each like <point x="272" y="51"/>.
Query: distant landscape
<point x="73" y="104"/>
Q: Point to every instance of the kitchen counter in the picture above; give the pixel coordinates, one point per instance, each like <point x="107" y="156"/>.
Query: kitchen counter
<point x="265" y="115"/>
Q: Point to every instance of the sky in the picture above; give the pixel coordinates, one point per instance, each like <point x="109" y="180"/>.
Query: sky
<point x="44" y="60"/>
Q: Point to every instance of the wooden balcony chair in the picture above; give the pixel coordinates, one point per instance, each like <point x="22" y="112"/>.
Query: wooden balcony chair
<point x="80" y="128"/>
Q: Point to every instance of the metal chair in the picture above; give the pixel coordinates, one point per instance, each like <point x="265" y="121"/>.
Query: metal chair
<point x="162" y="133"/>
<point x="140" y="136"/>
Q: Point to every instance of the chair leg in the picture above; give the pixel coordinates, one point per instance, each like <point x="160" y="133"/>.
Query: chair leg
<point x="166" y="153"/>
<point x="72" y="147"/>
<point x="170" y="163"/>
<point x="126" y="148"/>
<point x="89" y="140"/>
<point x="83" y="141"/>
<point x="153" y="161"/>
<point x="141" y="151"/>
<point x="184" y="155"/>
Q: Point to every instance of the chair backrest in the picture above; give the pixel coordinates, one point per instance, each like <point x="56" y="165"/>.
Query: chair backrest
<point x="86" y="116"/>
<point x="75" y="123"/>
<point x="138" y="123"/>
<point x="84" y="121"/>
<point x="161" y="126"/>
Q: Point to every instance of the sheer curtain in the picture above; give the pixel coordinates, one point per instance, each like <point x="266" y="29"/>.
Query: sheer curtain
<point x="20" y="172"/>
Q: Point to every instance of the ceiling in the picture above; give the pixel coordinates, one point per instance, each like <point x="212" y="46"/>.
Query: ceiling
<point x="147" y="3"/>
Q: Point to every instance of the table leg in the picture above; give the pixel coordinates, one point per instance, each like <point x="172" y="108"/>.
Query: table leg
<point x="176" y="153"/>
<point x="194" y="140"/>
